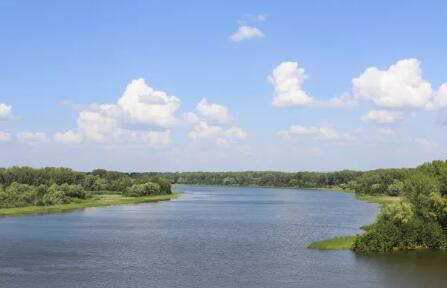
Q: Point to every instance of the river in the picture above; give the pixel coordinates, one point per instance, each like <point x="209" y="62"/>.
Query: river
<point x="208" y="237"/>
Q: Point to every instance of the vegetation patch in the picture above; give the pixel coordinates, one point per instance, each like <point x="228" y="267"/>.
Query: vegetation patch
<point x="337" y="243"/>
<point x="96" y="201"/>
<point x="24" y="190"/>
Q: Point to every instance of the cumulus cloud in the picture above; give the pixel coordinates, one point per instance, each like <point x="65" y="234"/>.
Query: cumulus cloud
<point x="32" y="138"/>
<point x="143" y="104"/>
<point x="222" y="136"/>
<point x="215" y="125"/>
<point x="68" y="137"/>
<point x="231" y="137"/>
<point x="5" y="111"/>
<point x="190" y="118"/>
<point x="213" y="112"/>
<point x="287" y="79"/>
<point x="203" y="130"/>
<point x="383" y="116"/>
<point x="246" y="32"/>
<point x="157" y="139"/>
<point x="441" y="97"/>
<point x="401" y="85"/>
<point x="323" y="133"/>
<point x="99" y="126"/>
<point x="5" y="137"/>
<point x="131" y="119"/>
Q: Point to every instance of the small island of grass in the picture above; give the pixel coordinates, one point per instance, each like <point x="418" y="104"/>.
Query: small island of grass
<point x="336" y="243"/>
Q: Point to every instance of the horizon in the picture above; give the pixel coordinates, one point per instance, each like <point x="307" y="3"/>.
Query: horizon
<point x="254" y="86"/>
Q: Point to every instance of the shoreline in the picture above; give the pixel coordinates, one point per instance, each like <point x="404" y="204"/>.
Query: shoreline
<point x="347" y="241"/>
<point x="331" y="189"/>
<point x="100" y="200"/>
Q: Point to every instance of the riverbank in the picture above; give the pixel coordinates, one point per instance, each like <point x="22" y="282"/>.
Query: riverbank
<point x="331" y="188"/>
<point x="347" y="242"/>
<point x="96" y="201"/>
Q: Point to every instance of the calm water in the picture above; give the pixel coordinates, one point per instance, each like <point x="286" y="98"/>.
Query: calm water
<point x="209" y="237"/>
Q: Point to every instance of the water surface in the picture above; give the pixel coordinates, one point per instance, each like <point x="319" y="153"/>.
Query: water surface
<point x="209" y="237"/>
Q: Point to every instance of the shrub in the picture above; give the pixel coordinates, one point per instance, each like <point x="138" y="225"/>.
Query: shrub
<point x="145" y="189"/>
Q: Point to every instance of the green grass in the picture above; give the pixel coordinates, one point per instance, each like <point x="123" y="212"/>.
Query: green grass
<point x="337" y="243"/>
<point x="95" y="201"/>
<point x="347" y="242"/>
<point x="379" y="199"/>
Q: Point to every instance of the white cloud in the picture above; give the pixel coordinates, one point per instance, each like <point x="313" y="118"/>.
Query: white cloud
<point x="98" y="126"/>
<point x="32" y="138"/>
<point x="222" y="136"/>
<point x="5" y="137"/>
<point x="214" y="126"/>
<point x="157" y="139"/>
<point x="323" y="133"/>
<point x="68" y="137"/>
<point x="319" y="133"/>
<point x="230" y="137"/>
<point x="383" y="116"/>
<point x="203" y="130"/>
<point x="343" y="101"/>
<point x="5" y="111"/>
<point x="441" y="97"/>
<point x="213" y="112"/>
<point x="401" y="85"/>
<point x="131" y="119"/>
<point x="246" y="32"/>
<point x="143" y="104"/>
<point x="287" y="79"/>
<point x="190" y="118"/>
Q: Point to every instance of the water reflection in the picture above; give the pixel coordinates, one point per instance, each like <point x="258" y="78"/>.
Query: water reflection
<point x="407" y="269"/>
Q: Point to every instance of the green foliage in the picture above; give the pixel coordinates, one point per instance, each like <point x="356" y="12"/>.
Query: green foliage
<point x="395" y="189"/>
<point x="145" y="189"/>
<point x="419" y="222"/>
<point x="24" y="186"/>
<point x="55" y="196"/>
<point x="337" y="243"/>
<point x="342" y="179"/>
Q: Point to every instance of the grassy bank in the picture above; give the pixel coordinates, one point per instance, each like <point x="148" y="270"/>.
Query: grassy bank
<point x="346" y="242"/>
<point x="379" y="199"/>
<point x="337" y="243"/>
<point x="95" y="201"/>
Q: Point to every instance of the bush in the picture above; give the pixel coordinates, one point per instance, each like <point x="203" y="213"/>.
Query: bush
<point x="145" y="189"/>
<point x="54" y="197"/>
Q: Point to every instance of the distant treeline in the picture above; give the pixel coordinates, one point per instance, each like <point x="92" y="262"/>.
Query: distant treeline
<point x="24" y="186"/>
<point x="380" y="181"/>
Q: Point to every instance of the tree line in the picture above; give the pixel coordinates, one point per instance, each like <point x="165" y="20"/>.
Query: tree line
<point x="25" y="186"/>
<point x="380" y="181"/>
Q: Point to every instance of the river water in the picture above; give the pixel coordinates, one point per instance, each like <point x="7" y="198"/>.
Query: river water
<point x="208" y="237"/>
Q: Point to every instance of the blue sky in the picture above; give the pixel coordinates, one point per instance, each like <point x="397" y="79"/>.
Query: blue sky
<point x="235" y="85"/>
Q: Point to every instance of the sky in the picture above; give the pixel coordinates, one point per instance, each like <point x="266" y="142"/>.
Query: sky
<point x="222" y="85"/>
